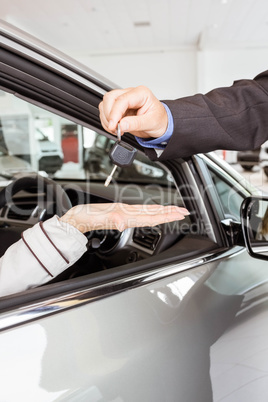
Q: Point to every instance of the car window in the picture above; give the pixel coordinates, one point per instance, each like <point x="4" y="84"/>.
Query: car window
<point x="228" y="194"/>
<point x="101" y="141"/>
<point x="63" y="149"/>
<point x="77" y="159"/>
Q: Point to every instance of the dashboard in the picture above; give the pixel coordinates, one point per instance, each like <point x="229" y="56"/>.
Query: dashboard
<point x="110" y="247"/>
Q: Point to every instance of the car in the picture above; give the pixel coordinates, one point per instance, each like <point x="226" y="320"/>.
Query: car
<point x="173" y="312"/>
<point x="10" y="164"/>
<point x="17" y="128"/>
<point x="50" y="155"/>
<point x="256" y="157"/>
<point x="248" y="159"/>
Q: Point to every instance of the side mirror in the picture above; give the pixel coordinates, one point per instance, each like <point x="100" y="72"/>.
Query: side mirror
<point x="254" y="218"/>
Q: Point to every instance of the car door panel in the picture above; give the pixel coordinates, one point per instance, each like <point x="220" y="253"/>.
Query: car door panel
<point x="187" y="323"/>
<point x="86" y="354"/>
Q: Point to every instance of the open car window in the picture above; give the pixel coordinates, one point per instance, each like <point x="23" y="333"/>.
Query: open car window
<point x="77" y="158"/>
<point x="62" y="149"/>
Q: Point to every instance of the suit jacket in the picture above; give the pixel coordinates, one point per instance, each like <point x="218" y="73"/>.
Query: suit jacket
<point x="233" y="118"/>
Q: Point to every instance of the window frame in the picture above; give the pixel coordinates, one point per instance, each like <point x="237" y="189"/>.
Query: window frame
<point x="74" y="98"/>
<point x="207" y="164"/>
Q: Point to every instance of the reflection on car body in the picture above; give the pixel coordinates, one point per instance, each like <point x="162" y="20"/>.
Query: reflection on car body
<point x="178" y="312"/>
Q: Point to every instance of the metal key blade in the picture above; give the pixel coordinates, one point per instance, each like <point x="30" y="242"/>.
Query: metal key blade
<point x="118" y="132"/>
<point x="109" y="178"/>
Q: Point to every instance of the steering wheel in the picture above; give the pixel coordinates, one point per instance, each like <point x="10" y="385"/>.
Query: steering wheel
<point x="55" y="195"/>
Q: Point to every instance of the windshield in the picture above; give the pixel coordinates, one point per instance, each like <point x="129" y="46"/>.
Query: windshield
<point x="35" y="139"/>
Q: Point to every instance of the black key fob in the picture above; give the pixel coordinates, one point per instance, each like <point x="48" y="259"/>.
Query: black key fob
<point x="122" y="154"/>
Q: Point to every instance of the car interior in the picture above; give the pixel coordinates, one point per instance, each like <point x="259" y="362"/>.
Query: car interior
<point x="27" y="197"/>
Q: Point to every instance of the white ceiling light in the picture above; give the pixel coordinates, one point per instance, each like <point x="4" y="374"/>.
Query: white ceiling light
<point x="141" y="24"/>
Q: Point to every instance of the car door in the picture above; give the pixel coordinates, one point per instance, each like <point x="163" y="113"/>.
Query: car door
<point x="139" y="331"/>
<point x="239" y="356"/>
<point x="138" y="335"/>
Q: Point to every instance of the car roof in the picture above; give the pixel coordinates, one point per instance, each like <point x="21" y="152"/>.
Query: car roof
<point x="12" y="36"/>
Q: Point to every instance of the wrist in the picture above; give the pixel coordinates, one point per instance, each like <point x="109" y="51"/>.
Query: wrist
<point x="70" y="220"/>
<point x="161" y="141"/>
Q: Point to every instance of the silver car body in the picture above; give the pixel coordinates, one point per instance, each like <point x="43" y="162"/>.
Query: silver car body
<point x="190" y="327"/>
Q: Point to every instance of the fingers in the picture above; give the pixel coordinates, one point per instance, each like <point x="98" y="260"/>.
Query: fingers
<point x="163" y="215"/>
<point x="155" y="209"/>
<point x="109" y="118"/>
<point x="131" y="99"/>
<point x="121" y="216"/>
<point x="128" y="216"/>
<point x="120" y="103"/>
<point x="136" y="125"/>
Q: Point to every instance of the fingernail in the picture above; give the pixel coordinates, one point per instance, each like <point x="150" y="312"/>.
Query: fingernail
<point x="184" y="211"/>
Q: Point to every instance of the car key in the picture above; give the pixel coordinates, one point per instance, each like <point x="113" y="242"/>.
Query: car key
<point x="121" y="155"/>
<point x="109" y="178"/>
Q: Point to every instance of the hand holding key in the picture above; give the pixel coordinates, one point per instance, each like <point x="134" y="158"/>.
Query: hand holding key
<point x="138" y="111"/>
<point x="121" y="155"/>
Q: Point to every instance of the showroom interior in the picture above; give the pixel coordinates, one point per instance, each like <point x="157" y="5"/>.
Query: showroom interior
<point x="103" y="306"/>
<point x="176" y="48"/>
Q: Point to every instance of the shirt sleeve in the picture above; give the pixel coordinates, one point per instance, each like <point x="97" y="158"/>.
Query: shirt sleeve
<point x="44" y="251"/>
<point x="160" y="142"/>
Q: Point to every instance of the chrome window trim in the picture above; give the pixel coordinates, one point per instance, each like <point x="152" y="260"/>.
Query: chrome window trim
<point x="44" y="61"/>
<point x="239" y="182"/>
<point x="53" y="305"/>
<point x="201" y="204"/>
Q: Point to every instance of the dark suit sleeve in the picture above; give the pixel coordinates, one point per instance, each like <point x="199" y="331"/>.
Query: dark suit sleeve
<point x="231" y="118"/>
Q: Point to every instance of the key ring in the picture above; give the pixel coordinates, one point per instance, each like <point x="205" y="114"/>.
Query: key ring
<point x="118" y="132"/>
